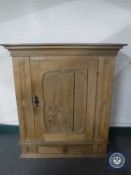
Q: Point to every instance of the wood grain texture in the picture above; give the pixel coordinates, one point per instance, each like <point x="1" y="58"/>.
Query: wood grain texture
<point x="63" y="97"/>
<point x="106" y="97"/>
<point x="91" y="97"/>
<point x="63" y="49"/>
<point x="50" y="149"/>
<point x="80" y="95"/>
<point x="18" y="90"/>
<point x="72" y="137"/>
<point x="57" y="90"/>
<point x="36" y="90"/>
<point x="103" y="99"/>
<point x="24" y="100"/>
<point x="67" y="155"/>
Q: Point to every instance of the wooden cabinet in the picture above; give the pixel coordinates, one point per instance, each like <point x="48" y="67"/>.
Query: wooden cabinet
<point x="64" y="98"/>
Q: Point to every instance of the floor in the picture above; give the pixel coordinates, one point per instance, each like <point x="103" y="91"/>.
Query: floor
<point x="11" y="164"/>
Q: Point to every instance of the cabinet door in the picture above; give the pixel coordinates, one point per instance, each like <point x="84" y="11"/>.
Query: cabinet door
<point x="64" y="91"/>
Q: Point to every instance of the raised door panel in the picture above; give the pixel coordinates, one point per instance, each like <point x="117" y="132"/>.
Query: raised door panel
<point x="57" y="90"/>
<point x="64" y="90"/>
<point x="64" y="94"/>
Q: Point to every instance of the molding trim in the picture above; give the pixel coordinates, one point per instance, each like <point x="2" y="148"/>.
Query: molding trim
<point x="113" y="131"/>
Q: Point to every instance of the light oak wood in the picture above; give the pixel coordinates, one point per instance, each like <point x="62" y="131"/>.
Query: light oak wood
<point x="50" y="149"/>
<point x="67" y="155"/>
<point x="63" y="97"/>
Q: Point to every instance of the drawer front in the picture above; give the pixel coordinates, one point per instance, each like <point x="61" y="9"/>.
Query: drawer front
<point x="73" y="149"/>
<point x="50" y="149"/>
<point x="80" y="149"/>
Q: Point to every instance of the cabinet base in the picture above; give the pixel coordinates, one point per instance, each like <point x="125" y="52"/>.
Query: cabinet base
<point x="64" y="151"/>
<point x="63" y="155"/>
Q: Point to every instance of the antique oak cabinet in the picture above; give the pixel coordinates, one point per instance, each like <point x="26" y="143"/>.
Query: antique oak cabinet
<point x="63" y="94"/>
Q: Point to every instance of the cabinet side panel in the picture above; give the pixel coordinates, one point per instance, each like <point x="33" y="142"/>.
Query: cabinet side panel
<point x="104" y="96"/>
<point x="19" y="97"/>
<point x="28" y="101"/>
<point x="107" y="97"/>
<point x="23" y="97"/>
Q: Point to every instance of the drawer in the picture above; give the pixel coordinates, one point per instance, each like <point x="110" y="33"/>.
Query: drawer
<point x="80" y="149"/>
<point x="73" y="149"/>
<point x="50" y="149"/>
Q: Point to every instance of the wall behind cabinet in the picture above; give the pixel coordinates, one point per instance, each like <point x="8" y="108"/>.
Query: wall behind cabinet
<point x="49" y="21"/>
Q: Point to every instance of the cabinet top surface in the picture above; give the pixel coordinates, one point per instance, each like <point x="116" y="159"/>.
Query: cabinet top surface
<point x="62" y="45"/>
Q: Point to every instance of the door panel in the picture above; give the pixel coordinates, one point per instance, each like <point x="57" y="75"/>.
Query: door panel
<point x="62" y="88"/>
<point x="57" y="90"/>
